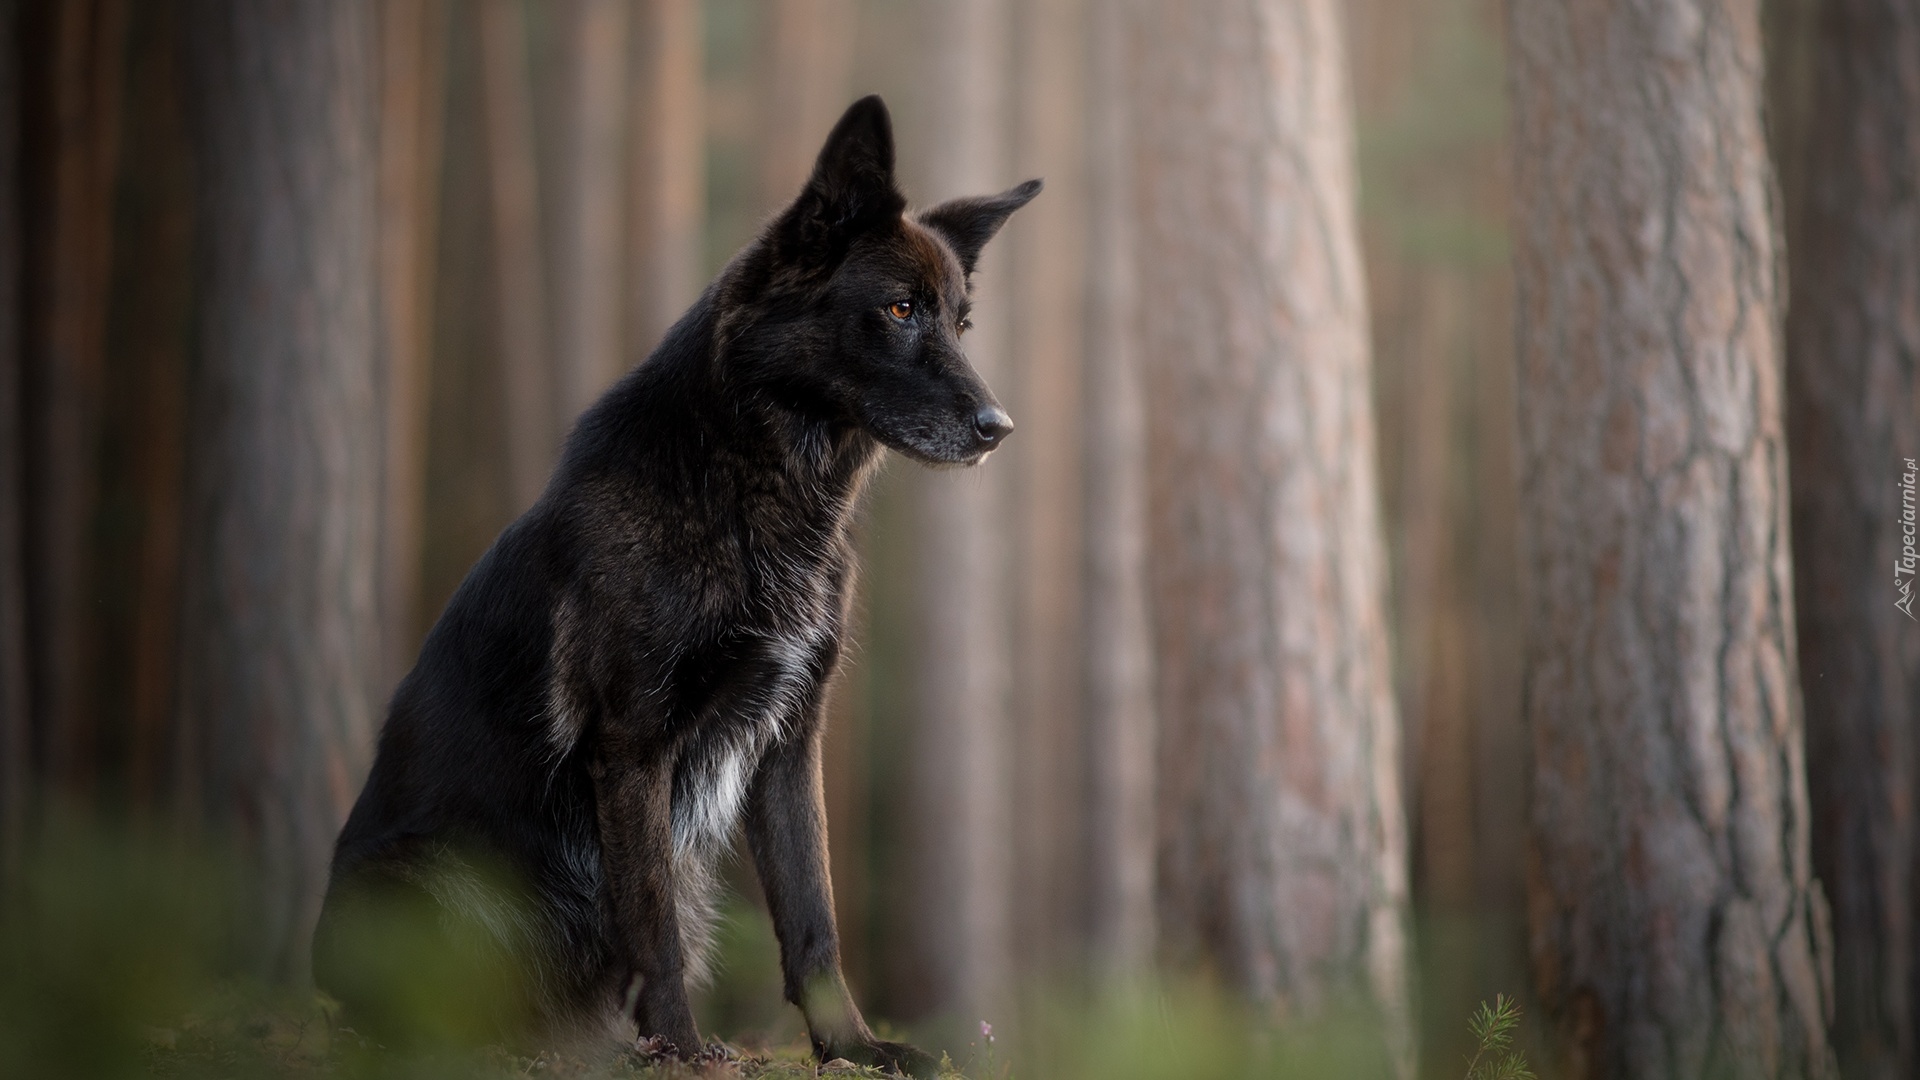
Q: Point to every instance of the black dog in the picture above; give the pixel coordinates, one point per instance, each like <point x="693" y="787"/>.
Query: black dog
<point x="638" y="662"/>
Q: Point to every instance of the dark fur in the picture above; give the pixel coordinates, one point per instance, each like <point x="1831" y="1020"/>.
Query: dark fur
<point x="640" y="659"/>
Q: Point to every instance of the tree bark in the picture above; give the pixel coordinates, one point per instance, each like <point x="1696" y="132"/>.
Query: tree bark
<point x="413" y="43"/>
<point x="963" y="767"/>
<point x="281" y="620"/>
<point x="520" y="301"/>
<point x="1676" y="927"/>
<point x="806" y="69"/>
<point x="1853" y="406"/>
<point x="1283" y="860"/>
<point x="1118" y="645"/>
<point x="589" y="200"/>
<point x="1045" y="260"/>
<point x="668" y="171"/>
<point x="16" y="730"/>
<point x="75" y="64"/>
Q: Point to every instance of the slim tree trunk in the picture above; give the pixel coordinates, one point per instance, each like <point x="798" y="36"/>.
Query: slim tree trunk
<point x="668" y="169"/>
<point x="519" y="300"/>
<point x="16" y="732"/>
<point x="75" y="48"/>
<point x="1283" y="859"/>
<point x="1853" y="404"/>
<point x="1120" y="725"/>
<point x="590" y="202"/>
<point x="281" y="620"/>
<point x="806" y="69"/>
<point x="1045" y="259"/>
<point x="963" y="769"/>
<point x="1677" y="930"/>
<point x="413" y="43"/>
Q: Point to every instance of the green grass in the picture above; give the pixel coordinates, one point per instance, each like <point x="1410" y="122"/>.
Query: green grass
<point x="128" y="958"/>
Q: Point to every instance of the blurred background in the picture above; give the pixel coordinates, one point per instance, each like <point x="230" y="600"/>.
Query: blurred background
<point x="301" y="299"/>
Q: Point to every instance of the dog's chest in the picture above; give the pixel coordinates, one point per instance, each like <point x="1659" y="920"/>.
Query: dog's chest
<point x="749" y="689"/>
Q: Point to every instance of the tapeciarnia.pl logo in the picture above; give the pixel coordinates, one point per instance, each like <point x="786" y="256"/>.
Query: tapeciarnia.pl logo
<point x="1908" y="561"/>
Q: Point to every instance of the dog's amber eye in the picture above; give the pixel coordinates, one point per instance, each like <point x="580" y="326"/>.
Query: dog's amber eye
<point x="901" y="309"/>
<point x="966" y="325"/>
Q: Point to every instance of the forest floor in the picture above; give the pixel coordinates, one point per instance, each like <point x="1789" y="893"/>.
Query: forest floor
<point x="254" y="1043"/>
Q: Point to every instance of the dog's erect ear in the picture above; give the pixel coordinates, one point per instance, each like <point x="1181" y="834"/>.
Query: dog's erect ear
<point x="851" y="189"/>
<point x="968" y="224"/>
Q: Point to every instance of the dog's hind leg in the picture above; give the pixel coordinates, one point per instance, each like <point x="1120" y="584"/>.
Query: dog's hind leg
<point x="633" y="792"/>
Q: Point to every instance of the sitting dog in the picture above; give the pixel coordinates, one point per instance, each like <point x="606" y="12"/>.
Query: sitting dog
<point x="637" y="664"/>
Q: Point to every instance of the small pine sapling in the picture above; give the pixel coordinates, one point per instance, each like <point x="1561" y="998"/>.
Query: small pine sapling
<point x="1493" y="1027"/>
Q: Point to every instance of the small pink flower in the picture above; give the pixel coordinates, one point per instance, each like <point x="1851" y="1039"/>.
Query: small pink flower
<point x="986" y="1031"/>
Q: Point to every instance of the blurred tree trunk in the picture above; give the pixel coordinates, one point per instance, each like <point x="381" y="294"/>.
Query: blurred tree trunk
<point x="1676" y="927"/>
<point x="413" y="42"/>
<point x="806" y="70"/>
<point x="73" y="52"/>
<point x="668" y="169"/>
<point x="519" y="299"/>
<point x="1119" y="729"/>
<point x="1853" y="397"/>
<point x="1045" y="258"/>
<point x="1283" y="859"/>
<point x="805" y="66"/>
<point x="963" y="768"/>
<point x="281" y="619"/>
<point x="16" y="734"/>
<point x="589" y="198"/>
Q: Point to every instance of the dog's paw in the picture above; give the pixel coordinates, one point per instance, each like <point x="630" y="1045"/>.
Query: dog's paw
<point x="891" y="1056"/>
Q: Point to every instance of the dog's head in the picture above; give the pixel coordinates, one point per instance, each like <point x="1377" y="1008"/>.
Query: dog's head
<point x="862" y="306"/>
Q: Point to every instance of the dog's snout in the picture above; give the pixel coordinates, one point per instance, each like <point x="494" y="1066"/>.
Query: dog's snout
<point x="992" y="424"/>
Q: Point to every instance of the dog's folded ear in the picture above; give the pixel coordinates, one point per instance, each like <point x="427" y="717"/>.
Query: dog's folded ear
<point x="851" y="190"/>
<point x="967" y="224"/>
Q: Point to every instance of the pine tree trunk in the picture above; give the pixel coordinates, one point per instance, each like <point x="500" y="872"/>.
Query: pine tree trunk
<point x="74" y="57"/>
<point x="806" y="68"/>
<point x="1044" y="256"/>
<point x="1853" y="405"/>
<point x="590" y="202"/>
<point x="1119" y="716"/>
<point x="1676" y="927"/>
<point x="413" y="42"/>
<point x="1283" y="859"/>
<point x="963" y="766"/>
<point x="16" y="732"/>
<point x="281" y="623"/>
<point x="668" y="171"/>
<point x="520" y="284"/>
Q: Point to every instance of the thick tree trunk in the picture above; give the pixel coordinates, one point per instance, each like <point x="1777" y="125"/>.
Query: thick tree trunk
<point x="1853" y="405"/>
<point x="590" y="200"/>
<point x="668" y="173"/>
<point x="413" y="45"/>
<point x="281" y="620"/>
<point x="963" y="770"/>
<point x="1283" y="860"/>
<point x="1676" y="927"/>
<point x="1119" y="727"/>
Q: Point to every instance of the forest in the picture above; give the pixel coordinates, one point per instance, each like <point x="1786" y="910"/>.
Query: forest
<point x="1445" y="610"/>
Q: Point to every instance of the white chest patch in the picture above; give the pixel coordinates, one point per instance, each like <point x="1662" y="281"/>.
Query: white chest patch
<point x="710" y="785"/>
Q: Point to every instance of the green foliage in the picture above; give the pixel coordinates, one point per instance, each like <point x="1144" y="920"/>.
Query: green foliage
<point x="1493" y="1027"/>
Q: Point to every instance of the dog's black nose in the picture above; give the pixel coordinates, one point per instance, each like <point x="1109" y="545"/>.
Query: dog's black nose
<point x="992" y="424"/>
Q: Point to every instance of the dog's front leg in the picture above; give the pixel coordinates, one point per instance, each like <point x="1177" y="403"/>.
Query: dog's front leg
<point x="787" y="829"/>
<point x="633" y="790"/>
